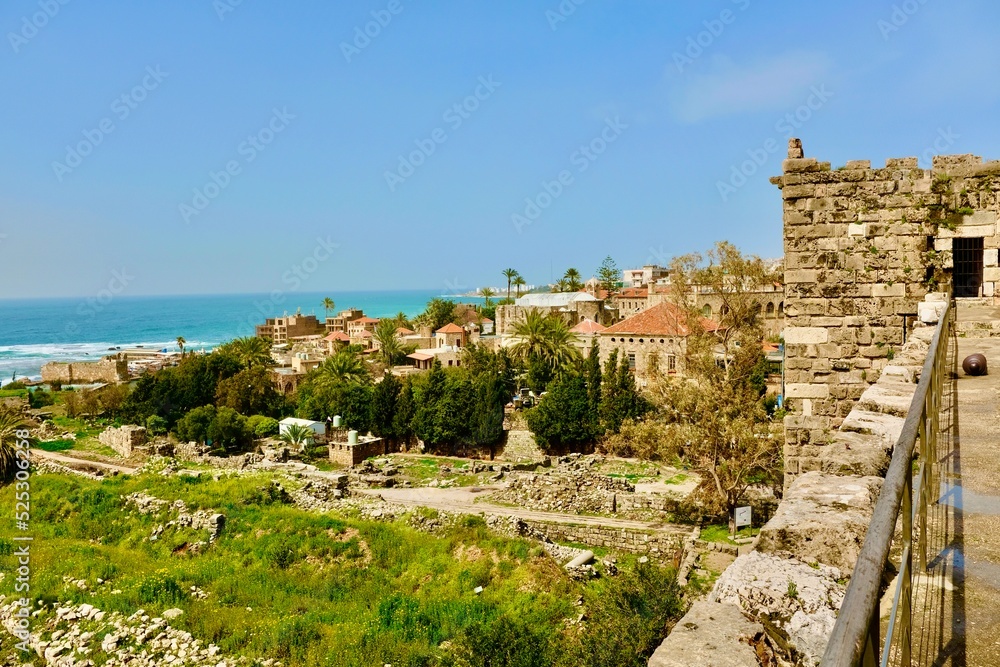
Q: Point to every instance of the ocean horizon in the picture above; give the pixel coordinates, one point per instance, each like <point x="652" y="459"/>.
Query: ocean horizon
<point x="37" y="331"/>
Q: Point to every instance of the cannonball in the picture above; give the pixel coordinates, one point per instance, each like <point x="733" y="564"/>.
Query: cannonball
<point x="974" y="364"/>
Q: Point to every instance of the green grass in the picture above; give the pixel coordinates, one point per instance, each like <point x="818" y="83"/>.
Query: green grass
<point x="13" y="393"/>
<point x="323" y="589"/>
<point x="720" y="533"/>
<point x="56" y="445"/>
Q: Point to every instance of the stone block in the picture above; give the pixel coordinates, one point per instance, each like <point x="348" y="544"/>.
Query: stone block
<point x="800" y="276"/>
<point x="930" y="312"/>
<point x="943" y="244"/>
<point x="858" y="164"/>
<point x="857" y="229"/>
<point x="990" y="257"/>
<point x="882" y="290"/>
<point x="822" y="518"/>
<point x="885" y="426"/>
<point x="888" y="397"/>
<point x="807" y="390"/>
<point x="989" y="289"/>
<point x="806" y="335"/>
<point x="709" y="634"/>
<point x="991" y="274"/>
<point x="759" y="584"/>
<point x="855" y="454"/>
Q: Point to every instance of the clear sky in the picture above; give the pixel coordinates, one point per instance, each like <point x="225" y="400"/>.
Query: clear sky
<point x="213" y="147"/>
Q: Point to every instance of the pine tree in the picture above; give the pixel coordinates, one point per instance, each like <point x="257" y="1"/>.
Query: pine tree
<point x="385" y="399"/>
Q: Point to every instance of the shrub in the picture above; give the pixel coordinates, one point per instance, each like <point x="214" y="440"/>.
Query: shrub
<point x="261" y="426"/>
<point x="14" y="385"/>
<point x="156" y="425"/>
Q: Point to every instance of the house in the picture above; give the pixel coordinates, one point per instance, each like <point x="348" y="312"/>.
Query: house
<point x="447" y="347"/>
<point x="339" y="322"/>
<point x="572" y="307"/>
<point x="647" y="275"/>
<point x="653" y="341"/>
<point x="586" y="332"/>
<point x="335" y="341"/>
<point x="303" y="362"/>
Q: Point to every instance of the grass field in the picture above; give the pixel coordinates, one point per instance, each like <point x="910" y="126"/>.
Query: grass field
<point x="312" y="589"/>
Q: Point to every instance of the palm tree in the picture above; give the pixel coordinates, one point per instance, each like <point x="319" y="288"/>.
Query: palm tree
<point x="328" y="305"/>
<point x="390" y="349"/>
<point x="402" y="320"/>
<point x="249" y="351"/>
<point x="181" y="343"/>
<point x="519" y="283"/>
<point x="342" y="368"/>
<point x="297" y="435"/>
<point x="510" y="275"/>
<point x="11" y="422"/>
<point x="572" y="280"/>
<point x="544" y="337"/>
<point x="488" y="293"/>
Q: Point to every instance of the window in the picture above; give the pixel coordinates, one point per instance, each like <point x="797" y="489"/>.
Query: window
<point x="671" y="363"/>
<point x="706" y="311"/>
<point x="631" y="361"/>
<point x="770" y="309"/>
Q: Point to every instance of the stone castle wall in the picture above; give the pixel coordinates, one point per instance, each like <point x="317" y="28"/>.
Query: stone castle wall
<point x="109" y="369"/>
<point x="862" y="247"/>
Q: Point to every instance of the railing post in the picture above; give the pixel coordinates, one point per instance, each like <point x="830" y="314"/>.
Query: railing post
<point x="906" y="569"/>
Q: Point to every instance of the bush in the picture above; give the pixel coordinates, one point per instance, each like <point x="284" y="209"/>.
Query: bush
<point x="156" y="425"/>
<point x="40" y="398"/>
<point x="261" y="426"/>
<point x="14" y="385"/>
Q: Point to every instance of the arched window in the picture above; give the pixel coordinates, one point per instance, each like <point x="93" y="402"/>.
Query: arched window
<point x="781" y="308"/>
<point x="706" y="310"/>
<point x="724" y="310"/>
<point x="770" y="309"/>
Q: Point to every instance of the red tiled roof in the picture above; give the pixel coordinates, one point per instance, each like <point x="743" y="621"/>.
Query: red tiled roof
<point x="588" y="326"/>
<point x="420" y="356"/>
<point x="364" y="334"/>
<point x="664" y="319"/>
<point x="366" y="320"/>
<point x="403" y="331"/>
<point x="338" y="335"/>
<point x="451" y="327"/>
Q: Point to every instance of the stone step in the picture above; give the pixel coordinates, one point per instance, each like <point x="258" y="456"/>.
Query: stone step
<point x="856" y="454"/>
<point x="867" y="422"/>
<point x="888" y="397"/>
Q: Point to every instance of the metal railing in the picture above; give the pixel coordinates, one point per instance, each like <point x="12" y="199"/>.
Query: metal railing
<point x="856" y="638"/>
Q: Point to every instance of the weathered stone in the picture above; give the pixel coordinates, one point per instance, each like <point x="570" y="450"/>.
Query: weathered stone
<point x="855" y="454"/>
<point x="822" y="518"/>
<point x="888" y="397"/>
<point x="800" y="598"/>
<point x="885" y="426"/>
<point x="710" y="634"/>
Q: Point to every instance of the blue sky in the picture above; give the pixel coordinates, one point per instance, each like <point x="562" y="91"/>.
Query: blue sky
<point x="213" y="147"/>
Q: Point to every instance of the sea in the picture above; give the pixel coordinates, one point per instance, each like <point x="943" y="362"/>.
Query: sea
<point x="36" y="331"/>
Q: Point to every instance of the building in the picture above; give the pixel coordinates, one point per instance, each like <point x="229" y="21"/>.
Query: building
<point x="350" y="449"/>
<point x="318" y="428"/>
<point x="281" y="329"/>
<point x="355" y="328"/>
<point x="335" y="341"/>
<point x="653" y="341"/>
<point x="586" y="332"/>
<point x="447" y="347"/>
<point x="647" y="275"/>
<point x="573" y="307"/>
<point x="339" y="322"/>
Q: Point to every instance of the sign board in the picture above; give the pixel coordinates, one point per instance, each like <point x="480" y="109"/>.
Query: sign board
<point x="742" y="517"/>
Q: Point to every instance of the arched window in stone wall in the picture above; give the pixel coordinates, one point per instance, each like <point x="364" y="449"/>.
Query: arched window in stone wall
<point x="770" y="309"/>
<point x="706" y="310"/>
<point x="781" y="308"/>
<point x="724" y="310"/>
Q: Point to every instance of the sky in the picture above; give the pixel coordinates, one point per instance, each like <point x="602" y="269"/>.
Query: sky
<point x="228" y="146"/>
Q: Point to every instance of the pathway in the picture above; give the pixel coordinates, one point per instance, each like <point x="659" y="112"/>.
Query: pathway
<point x="80" y="463"/>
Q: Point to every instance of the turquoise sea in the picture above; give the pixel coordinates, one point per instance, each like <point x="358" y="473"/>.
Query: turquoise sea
<point x="35" y="331"/>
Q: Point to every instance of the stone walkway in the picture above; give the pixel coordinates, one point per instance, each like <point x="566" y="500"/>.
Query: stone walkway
<point x="957" y="609"/>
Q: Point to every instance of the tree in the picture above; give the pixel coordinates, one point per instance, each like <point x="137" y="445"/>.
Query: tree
<point x="518" y="284"/>
<point x="390" y="347"/>
<point x="251" y="392"/>
<point x="490" y="395"/>
<point x="342" y="368"/>
<point x="260" y="426"/>
<point x="487" y="293"/>
<point x="228" y="430"/>
<point x="13" y="431"/>
<point x="608" y="275"/>
<point x="510" y="275"/>
<point x="181" y="343"/>
<point x="546" y="340"/>
<point x="156" y="425"/>
<point x="563" y="417"/>
<point x="328" y="305"/>
<point x="297" y="435"/>
<point x="193" y="426"/>
<point x="620" y="399"/>
<point x="571" y="280"/>
<point x="248" y="351"/>
<point x="402" y="422"/>
<point x="385" y="399"/>
<point x="438" y="313"/>
<point x="592" y="375"/>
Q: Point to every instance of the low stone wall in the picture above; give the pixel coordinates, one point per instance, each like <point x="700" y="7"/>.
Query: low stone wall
<point x="786" y="593"/>
<point x="124" y="439"/>
<point x="352" y="455"/>
<point x="664" y="545"/>
<point x="108" y="369"/>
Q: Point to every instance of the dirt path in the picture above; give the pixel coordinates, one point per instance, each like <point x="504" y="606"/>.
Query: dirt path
<point x="462" y="500"/>
<point x="73" y="462"/>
